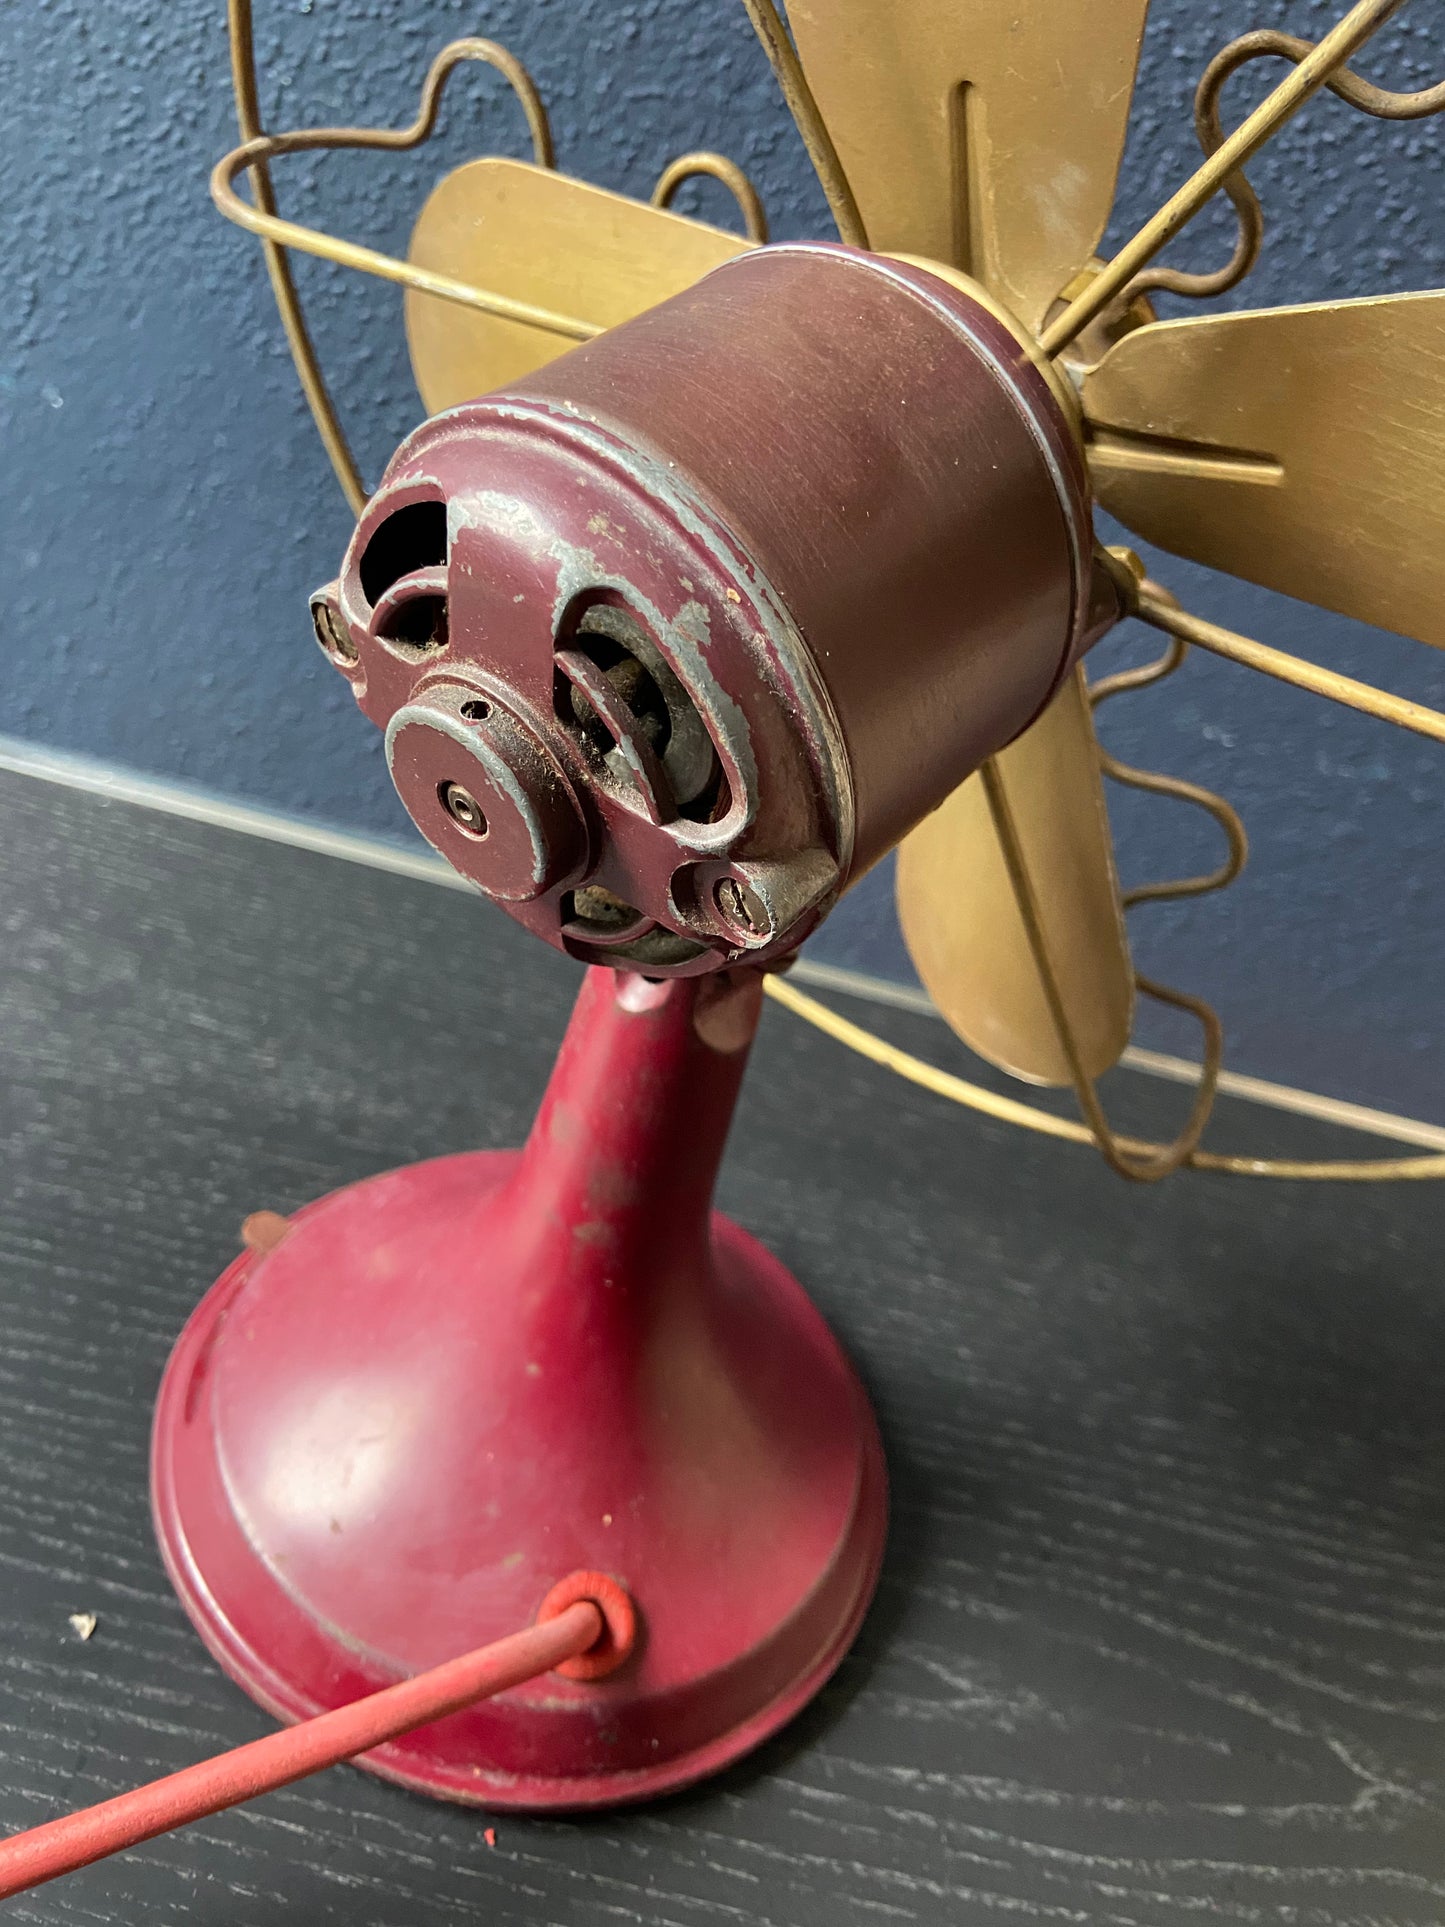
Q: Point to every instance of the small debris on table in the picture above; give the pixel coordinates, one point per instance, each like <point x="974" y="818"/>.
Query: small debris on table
<point x="490" y="1836"/>
<point x="83" y="1624"/>
<point x="262" y="1231"/>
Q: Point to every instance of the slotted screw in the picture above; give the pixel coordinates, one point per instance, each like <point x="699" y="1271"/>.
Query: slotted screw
<point x="742" y="907"/>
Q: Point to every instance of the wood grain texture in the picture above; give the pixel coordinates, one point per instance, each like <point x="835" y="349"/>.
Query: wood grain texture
<point x="1161" y="1638"/>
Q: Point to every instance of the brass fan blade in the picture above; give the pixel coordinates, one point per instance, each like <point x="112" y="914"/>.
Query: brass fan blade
<point x="984" y="133"/>
<point x="964" y="928"/>
<point x="1303" y="448"/>
<point x="547" y="239"/>
<point x="988" y="135"/>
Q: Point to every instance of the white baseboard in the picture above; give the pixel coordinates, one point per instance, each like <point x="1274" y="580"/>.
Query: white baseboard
<point x="202" y="806"/>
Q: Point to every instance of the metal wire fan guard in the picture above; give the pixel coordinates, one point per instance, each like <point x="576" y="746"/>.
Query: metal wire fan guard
<point x="1106" y="289"/>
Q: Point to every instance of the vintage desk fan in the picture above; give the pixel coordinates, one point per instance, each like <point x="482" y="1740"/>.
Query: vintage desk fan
<point x="750" y="564"/>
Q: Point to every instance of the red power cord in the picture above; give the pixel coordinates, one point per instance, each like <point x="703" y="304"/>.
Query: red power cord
<point x="585" y="1628"/>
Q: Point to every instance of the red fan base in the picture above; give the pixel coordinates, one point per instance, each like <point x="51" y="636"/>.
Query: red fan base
<point x="381" y="1442"/>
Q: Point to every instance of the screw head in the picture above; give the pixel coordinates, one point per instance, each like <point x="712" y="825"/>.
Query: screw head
<point x="464" y="809"/>
<point x="332" y="633"/>
<point x="742" y="907"/>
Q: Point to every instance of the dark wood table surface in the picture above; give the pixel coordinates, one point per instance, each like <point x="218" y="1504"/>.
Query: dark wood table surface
<point x="1161" y="1636"/>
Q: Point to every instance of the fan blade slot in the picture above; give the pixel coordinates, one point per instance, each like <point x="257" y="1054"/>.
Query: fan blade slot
<point x="963" y="925"/>
<point x="987" y="136"/>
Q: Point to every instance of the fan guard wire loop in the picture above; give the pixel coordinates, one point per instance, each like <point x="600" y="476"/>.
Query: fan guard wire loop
<point x="1344" y="83"/>
<point x="260" y="216"/>
<point x="1013" y="1110"/>
<point x="688" y="166"/>
<point x="266" y="147"/>
<point x="1224" y="814"/>
<point x="1315" y="66"/>
<point x="1312" y="72"/>
<point x="1152" y="1162"/>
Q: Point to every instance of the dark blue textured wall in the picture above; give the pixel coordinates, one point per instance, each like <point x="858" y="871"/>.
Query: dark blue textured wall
<point x="164" y="507"/>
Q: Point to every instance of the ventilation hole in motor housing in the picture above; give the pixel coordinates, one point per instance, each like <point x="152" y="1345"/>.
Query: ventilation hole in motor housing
<point x="657" y="946"/>
<point x="666" y="716"/>
<point x="415" y="537"/>
<point x="593" y="921"/>
<point x="418" y="625"/>
<point x="633" y="682"/>
<point x="712" y="803"/>
<point x="574" y="709"/>
<point x="594" y="910"/>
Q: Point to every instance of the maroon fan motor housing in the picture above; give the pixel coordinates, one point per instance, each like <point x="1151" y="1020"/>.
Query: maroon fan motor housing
<point x="679" y="635"/>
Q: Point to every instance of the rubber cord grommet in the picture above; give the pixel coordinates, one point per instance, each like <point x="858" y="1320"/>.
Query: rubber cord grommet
<point x="619" y="1622"/>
